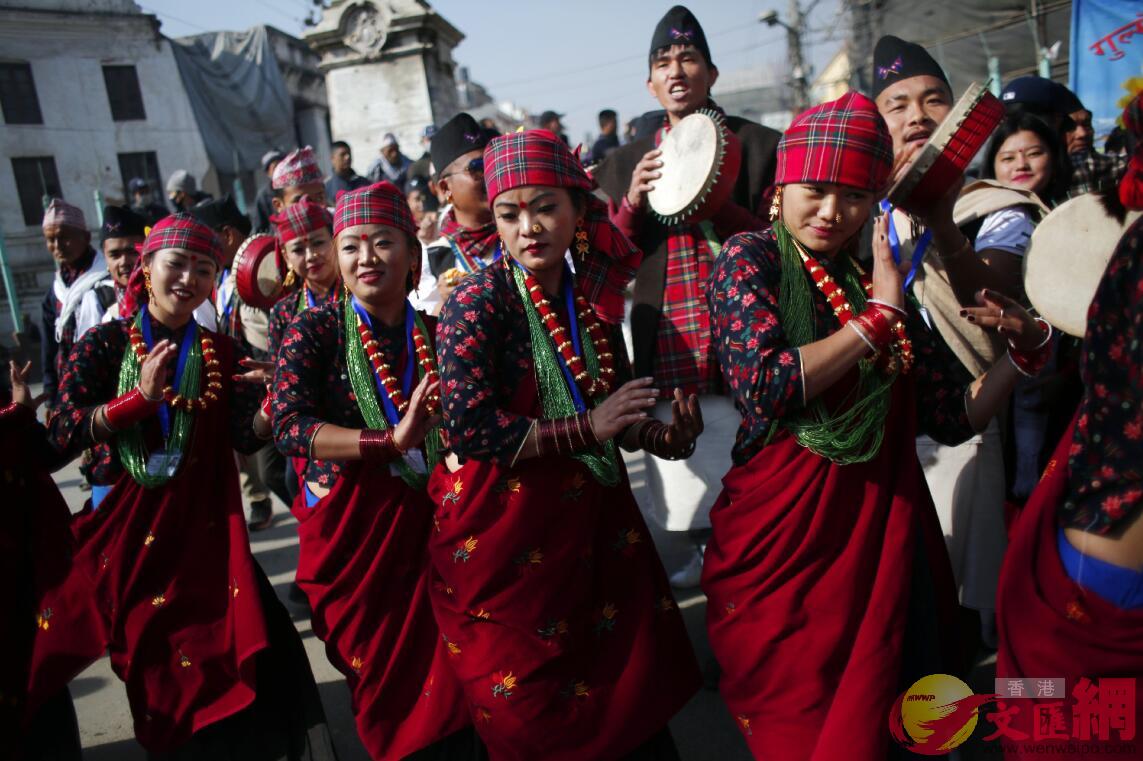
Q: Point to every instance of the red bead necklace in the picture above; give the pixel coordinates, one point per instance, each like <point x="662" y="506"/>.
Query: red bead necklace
<point x="210" y="365"/>
<point x="384" y="372"/>
<point x="590" y="387"/>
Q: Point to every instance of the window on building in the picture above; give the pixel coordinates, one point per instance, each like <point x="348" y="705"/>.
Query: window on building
<point x="18" y="94"/>
<point x="143" y="165"/>
<point x="123" y="93"/>
<point x="35" y="178"/>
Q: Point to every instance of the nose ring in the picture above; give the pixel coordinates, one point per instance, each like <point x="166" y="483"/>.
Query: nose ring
<point x="837" y="218"/>
<point x="536" y="228"/>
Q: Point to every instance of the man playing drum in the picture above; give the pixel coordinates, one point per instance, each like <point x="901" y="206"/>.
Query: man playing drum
<point x="967" y="481"/>
<point x="669" y="319"/>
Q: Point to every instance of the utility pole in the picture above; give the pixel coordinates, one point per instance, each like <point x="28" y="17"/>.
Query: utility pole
<point x="799" y="83"/>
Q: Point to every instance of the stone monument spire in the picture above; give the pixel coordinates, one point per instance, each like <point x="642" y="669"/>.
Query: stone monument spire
<point x="388" y="68"/>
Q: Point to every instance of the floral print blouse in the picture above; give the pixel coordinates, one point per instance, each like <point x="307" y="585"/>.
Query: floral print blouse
<point x="91" y="378"/>
<point x="312" y="386"/>
<point x="1105" y="464"/>
<point x="485" y="351"/>
<point x="764" y="373"/>
<point x="284" y="312"/>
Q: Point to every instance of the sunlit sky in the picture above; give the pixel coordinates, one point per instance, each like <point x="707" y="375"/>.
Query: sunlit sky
<point x="575" y="57"/>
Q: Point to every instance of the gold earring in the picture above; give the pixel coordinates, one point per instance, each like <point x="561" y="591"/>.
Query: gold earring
<point x="776" y="204"/>
<point x="837" y="218"/>
<point x="537" y="229"/>
<point x="147" y="281"/>
<point x="288" y="281"/>
<point x="581" y="244"/>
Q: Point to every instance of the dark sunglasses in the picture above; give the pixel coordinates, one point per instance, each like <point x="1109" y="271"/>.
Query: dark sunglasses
<point x="474" y="167"/>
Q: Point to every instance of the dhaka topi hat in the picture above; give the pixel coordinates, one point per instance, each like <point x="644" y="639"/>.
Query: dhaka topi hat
<point x="301" y="218"/>
<point x="843" y="142"/>
<point x="60" y="213"/>
<point x="541" y="158"/>
<point x="217" y="213"/>
<point x="895" y="59"/>
<point x="680" y="27"/>
<point x="121" y="222"/>
<point x="183" y="231"/>
<point x="456" y="137"/>
<point x="299" y="167"/>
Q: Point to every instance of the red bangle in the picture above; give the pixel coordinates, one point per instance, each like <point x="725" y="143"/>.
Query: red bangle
<point x="378" y="446"/>
<point x="877" y="327"/>
<point x="129" y="409"/>
<point x="566" y="435"/>
<point x="1031" y="362"/>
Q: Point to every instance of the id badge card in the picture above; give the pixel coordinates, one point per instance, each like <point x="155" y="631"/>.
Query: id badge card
<point x="163" y="463"/>
<point x="415" y="459"/>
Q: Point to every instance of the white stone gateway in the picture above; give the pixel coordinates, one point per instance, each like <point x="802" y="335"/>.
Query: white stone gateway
<point x="388" y="68"/>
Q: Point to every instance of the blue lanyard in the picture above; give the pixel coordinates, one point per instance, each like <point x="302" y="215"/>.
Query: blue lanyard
<point x="189" y="338"/>
<point x="895" y="244"/>
<point x="227" y="292"/>
<point x="391" y="413"/>
<point x="310" y="301"/>
<point x="573" y="328"/>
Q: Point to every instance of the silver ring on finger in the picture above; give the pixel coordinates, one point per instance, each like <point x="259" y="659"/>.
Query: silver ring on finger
<point x="1002" y="313"/>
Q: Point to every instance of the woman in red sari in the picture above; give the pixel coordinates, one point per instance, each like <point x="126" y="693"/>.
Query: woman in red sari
<point x="551" y="599"/>
<point x="356" y="402"/>
<point x="212" y="663"/>
<point x="827" y="570"/>
<point x="35" y="553"/>
<point x="1070" y="602"/>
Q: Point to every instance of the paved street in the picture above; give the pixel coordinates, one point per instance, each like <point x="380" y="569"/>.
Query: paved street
<point x="704" y="730"/>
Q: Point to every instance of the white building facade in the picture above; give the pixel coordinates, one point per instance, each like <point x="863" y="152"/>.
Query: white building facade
<point x="91" y="97"/>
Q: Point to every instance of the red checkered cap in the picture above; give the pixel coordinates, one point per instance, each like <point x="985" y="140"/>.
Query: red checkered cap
<point x="843" y="142"/>
<point x="62" y="214"/>
<point x="533" y="157"/>
<point x="300" y="167"/>
<point x="183" y="231"/>
<point x="300" y="219"/>
<point x="378" y="204"/>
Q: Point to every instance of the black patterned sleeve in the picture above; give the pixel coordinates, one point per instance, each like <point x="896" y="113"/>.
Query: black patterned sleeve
<point x="763" y="372"/>
<point x="472" y="341"/>
<point x="301" y="376"/>
<point x="90" y="378"/>
<point x="1105" y="463"/>
<point x="281" y="315"/>
<point x="941" y="384"/>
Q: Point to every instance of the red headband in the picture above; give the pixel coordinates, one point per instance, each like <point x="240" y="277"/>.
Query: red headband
<point x="378" y="204"/>
<point x="843" y="142"/>
<point x="300" y="219"/>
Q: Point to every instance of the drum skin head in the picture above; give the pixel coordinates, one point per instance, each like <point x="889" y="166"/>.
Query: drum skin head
<point x="1066" y="258"/>
<point x="691" y="153"/>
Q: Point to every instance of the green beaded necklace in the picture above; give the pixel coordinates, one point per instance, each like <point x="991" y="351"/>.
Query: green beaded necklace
<point x="129" y="442"/>
<point x="855" y="433"/>
<point x="364" y="388"/>
<point x="554" y="394"/>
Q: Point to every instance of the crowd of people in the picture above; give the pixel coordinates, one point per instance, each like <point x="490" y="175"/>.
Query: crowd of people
<point x="849" y="410"/>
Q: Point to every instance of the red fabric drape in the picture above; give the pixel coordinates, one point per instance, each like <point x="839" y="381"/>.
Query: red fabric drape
<point x="554" y="605"/>
<point x="364" y="567"/>
<point x="1049" y="627"/>
<point x="176" y="590"/>
<point x="808" y="576"/>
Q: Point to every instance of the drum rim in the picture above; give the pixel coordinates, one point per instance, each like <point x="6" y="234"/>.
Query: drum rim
<point x="712" y="176"/>
<point x="239" y="272"/>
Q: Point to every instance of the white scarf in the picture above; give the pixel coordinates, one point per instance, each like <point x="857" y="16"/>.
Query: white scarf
<point x="71" y="295"/>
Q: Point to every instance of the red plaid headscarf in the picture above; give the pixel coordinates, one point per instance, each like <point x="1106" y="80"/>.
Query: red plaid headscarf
<point x="300" y="219"/>
<point x="1131" y="186"/>
<point x="183" y="231"/>
<point x="378" y="204"/>
<point x="843" y="142"/>
<point x="539" y="157"/>
<point x="300" y="167"/>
